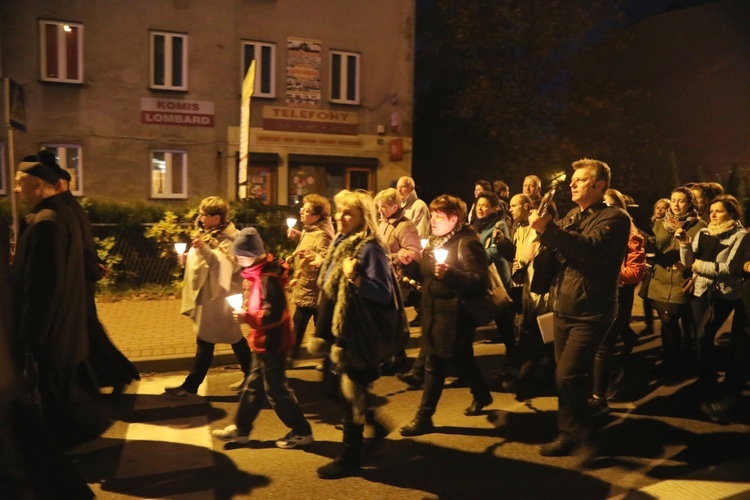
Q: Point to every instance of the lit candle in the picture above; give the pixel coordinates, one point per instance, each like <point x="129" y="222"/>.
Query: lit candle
<point x="290" y="222"/>
<point x="235" y="301"/>
<point x="180" y="248"/>
<point x="424" y="242"/>
<point x="440" y="255"/>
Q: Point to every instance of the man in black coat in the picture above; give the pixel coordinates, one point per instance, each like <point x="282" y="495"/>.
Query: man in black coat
<point x="591" y="241"/>
<point x="112" y="367"/>
<point x="49" y="304"/>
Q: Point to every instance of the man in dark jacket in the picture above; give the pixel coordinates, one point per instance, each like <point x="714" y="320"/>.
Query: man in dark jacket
<point x="591" y="241"/>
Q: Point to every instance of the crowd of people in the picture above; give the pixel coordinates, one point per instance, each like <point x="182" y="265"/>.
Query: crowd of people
<point x="572" y="277"/>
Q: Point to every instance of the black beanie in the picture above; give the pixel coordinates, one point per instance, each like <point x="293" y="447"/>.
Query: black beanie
<point x="249" y="243"/>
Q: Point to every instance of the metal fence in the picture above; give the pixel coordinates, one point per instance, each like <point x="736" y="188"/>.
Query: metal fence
<point x="141" y="261"/>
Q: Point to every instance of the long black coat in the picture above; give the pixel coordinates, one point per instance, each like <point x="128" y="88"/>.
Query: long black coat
<point x="49" y="293"/>
<point x="444" y="319"/>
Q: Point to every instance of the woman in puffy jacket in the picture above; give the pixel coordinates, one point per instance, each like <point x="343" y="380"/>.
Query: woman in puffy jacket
<point x="709" y="254"/>
<point x="313" y="242"/>
<point x="668" y="279"/>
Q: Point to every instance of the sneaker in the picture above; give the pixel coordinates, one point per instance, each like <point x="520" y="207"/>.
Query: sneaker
<point x="229" y="433"/>
<point x="292" y="440"/>
<point x="178" y="393"/>
<point x="237" y="386"/>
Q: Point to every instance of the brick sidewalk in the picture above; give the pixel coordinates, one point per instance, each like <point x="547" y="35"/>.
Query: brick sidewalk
<point x="154" y="335"/>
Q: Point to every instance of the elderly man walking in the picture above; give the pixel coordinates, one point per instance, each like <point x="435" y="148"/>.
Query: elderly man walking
<point x="591" y="241"/>
<point x="414" y="209"/>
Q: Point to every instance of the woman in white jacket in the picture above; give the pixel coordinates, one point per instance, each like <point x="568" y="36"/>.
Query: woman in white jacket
<point x="709" y="254"/>
<point x="211" y="275"/>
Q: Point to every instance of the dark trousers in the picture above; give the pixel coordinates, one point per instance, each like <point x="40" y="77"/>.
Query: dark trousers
<point x="678" y="343"/>
<point x="204" y="356"/>
<point x="605" y="356"/>
<point x="708" y="316"/>
<point x="576" y="344"/>
<point x="269" y="374"/>
<point x="435" y="372"/>
<point x="300" y="320"/>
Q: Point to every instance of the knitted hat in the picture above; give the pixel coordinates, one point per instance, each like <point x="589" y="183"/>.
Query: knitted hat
<point x="30" y="165"/>
<point x="249" y="243"/>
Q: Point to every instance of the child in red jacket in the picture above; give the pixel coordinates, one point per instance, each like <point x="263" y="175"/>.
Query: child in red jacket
<point x="271" y="338"/>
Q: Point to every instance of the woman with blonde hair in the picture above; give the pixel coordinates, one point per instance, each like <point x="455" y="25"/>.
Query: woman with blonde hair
<point x="356" y="264"/>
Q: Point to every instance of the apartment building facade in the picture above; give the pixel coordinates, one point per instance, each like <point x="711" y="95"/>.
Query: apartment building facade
<point x="141" y="99"/>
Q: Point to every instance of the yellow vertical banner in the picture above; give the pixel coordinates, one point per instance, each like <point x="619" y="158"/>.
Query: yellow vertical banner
<point x="248" y="86"/>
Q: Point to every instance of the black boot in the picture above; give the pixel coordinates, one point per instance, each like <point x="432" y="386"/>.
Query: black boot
<point x="347" y="464"/>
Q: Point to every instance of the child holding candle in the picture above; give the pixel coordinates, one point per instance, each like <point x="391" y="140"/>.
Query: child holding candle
<point x="266" y="311"/>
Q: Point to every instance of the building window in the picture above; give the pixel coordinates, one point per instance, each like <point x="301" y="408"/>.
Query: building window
<point x="265" y="66"/>
<point x="3" y="182"/>
<point x="345" y="77"/>
<point x="69" y="157"/>
<point x="168" y="174"/>
<point x="168" y="61"/>
<point x="61" y="51"/>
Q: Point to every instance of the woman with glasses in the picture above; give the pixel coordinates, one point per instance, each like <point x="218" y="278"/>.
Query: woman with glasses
<point x="211" y="275"/>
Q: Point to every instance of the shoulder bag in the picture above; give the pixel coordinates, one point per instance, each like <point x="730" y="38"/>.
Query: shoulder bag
<point x="484" y="308"/>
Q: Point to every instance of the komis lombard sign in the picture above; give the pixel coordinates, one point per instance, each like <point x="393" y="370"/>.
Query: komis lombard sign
<point x="177" y="112"/>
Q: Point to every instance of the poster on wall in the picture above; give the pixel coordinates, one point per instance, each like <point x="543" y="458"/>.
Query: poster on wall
<point x="303" y="72"/>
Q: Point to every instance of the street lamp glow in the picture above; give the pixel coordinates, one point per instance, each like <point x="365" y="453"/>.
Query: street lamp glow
<point x="235" y="301"/>
<point x="440" y="255"/>
<point x="291" y="222"/>
<point x="180" y="248"/>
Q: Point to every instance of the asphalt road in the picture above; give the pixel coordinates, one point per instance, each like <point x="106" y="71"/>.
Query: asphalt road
<point x="655" y="444"/>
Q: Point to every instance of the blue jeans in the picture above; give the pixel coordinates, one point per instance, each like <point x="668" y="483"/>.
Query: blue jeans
<point x="269" y="373"/>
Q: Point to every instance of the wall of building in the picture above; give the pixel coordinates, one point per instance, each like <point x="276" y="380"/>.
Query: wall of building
<point x="103" y="114"/>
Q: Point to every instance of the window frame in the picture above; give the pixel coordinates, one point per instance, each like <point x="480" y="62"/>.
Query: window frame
<point x="343" y="77"/>
<point x="168" y="61"/>
<point x="168" y="180"/>
<point x="63" y="57"/>
<point x="259" y="65"/>
<point x="76" y="187"/>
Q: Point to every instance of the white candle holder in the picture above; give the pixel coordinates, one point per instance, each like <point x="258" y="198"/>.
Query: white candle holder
<point x="180" y="248"/>
<point x="235" y="301"/>
<point x="424" y="242"/>
<point x="440" y="255"/>
<point x="291" y="222"/>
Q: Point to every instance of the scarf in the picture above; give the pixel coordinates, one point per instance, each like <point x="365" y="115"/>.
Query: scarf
<point x="252" y="276"/>
<point x="723" y="227"/>
<point x="439" y="241"/>
<point x="480" y="225"/>
<point x="674" y="222"/>
<point x="332" y="281"/>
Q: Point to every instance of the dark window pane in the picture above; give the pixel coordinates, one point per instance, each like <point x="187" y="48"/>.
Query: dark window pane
<point x="351" y="78"/>
<point x="72" y="39"/>
<point x="177" y="61"/>
<point x="265" y="70"/>
<point x="249" y="56"/>
<point x="50" y="33"/>
<point x="159" y="60"/>
<point x="336" y="76"/>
